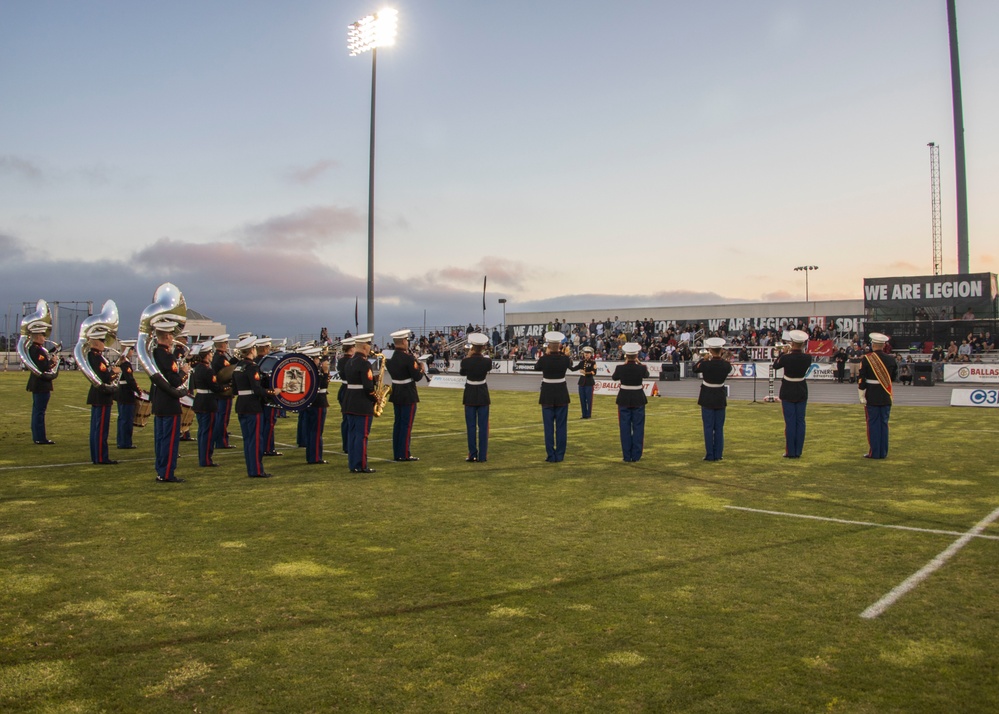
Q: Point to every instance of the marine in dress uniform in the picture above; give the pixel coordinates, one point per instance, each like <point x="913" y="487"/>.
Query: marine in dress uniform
<point x="167" y="389"/>
<point x="405" y="371"/>
<point x="554" y="398"/>
<point x="220" y="361"/>
<point x="877" y="371"/>
<point x="474" y="368"/>
<point x="794" y="392"/>
<point x="314" y="415"/>
<point x="587" y="366"/>
<point x="714" y="370"/>
<point x="359" y="404"/>
<point x="341" y="365"/>
<point x="100" y="398"/>
<point x="631" y="401"/>
<point x="41" y="385"/>
<point x="250" y="395"/>
<point x="205" y="389"/>
<point x="270" y="410"/>
<point x="128" y="393"/>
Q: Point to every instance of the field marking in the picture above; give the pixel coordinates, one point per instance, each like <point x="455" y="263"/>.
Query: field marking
<point x="919" y="576"/>
<point x="859" y="523"/>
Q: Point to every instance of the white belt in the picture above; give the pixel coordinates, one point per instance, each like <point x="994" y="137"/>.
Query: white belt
<point x="474" y="384"/>
<point x="402" y="381"/>
<point x="714" y="386"/>
<point x="321" y="391"/>
<point x="631" y="386"/>
<point x="793" y="379"/>
<point x="245" y="393"/>
<point x="868" y="380"/>
<point x="355" y="386"/>
<point x="553" y="381"/>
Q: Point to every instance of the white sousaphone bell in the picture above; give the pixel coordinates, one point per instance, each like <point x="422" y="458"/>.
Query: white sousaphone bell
<point x="31" y="324"/>
<point x="168" y="302"/>
<point x="104" y="326"/>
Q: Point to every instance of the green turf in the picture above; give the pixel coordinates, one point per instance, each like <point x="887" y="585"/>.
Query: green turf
<point x="509" y="586"/>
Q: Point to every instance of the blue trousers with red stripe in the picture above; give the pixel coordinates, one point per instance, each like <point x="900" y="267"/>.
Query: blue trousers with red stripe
<point x="252" y="427"/>
<point x="794" y="428"/>
<point x="206" y="438"/>
<point x="877" y="430"/>
<point x="631" y="424"/>
<point x="358" y="427"/>
<point x="100" y="425"/>
<point x="477" y="423"/>
<point x="402" y="430"/>
<point x="166" y="445"/>
<point x="314" y="422"/>
<point x="126" y="425"/>
<point x="222" y="423"/>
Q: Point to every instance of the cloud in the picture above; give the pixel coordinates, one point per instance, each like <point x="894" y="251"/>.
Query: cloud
<point x="11" y="249"/>
<point x="308" y="174"/>
<point x="306" y="229"/>
<point x="779" y="296"/>
<point x="22" y="168"/>
<point x="501" y="272"/>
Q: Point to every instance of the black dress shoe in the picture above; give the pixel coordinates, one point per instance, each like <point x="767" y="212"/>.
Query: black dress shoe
<point x="186" y="438"/>
<point x="471" y="458"/>
<point x="210" y="466"/>
<point x="46" y="442"/>
<point x="128" y="447"/>
<point x="261" y="475"/>
<point x="362" y="471"/>
<point x="408" y="458"/>
<point x="106" y="463"/>
<point x="170" y="480"/>
<point x="228" y="446"/>
<point x="273" y="453"/>
<point x="313" y="463"/>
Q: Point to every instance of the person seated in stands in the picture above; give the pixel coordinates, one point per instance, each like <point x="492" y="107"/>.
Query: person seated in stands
<point x="905" y="371"/>
<point x="988" y="342"/>
<point x="964" y="351"/>
<point x="952" y="351"/>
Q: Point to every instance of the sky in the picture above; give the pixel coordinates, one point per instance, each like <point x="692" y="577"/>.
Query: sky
<point x="575" y="154"/>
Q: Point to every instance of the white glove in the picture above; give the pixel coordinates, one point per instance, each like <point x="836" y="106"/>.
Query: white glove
<point x="863" y="396"/>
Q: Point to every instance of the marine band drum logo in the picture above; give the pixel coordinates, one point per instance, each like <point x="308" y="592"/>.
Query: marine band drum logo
<point x="295" y="375"/>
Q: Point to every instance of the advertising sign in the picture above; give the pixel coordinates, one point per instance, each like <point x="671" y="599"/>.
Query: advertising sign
<point x="974" y="398"/>
<point x="972" y="372"/>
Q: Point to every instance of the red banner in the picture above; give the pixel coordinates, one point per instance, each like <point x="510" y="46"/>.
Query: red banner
<point x="821" y="348"/>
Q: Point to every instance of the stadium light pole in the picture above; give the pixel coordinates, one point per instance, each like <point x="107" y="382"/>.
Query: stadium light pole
<point x="502" y="301"/>
<point x="807" y="269"/>
<point x="370" y="33"/>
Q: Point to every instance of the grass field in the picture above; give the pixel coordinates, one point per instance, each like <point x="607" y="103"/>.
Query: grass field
<point x="510" y="586"/>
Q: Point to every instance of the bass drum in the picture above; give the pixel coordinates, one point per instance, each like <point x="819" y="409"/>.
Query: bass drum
<point x="294" y="374"/>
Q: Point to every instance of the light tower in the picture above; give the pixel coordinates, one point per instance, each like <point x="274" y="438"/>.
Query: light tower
<point x="935" y="208"/>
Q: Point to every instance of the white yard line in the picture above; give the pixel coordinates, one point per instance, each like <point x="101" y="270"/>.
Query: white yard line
<point x="919" y="576"/>
<point x="857" y="523"/>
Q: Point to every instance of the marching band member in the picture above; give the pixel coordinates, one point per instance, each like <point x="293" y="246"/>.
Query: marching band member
<point x="314" y="416"/>
<point x="794" y="392"/>
<point x="181" y="352"/>
<point x="359" y="404"/>
<point x="164" y="396"/>
<point x="877" y="371"/>
<point x="554" y="398"/>
<point x="100" y="398"/>
<point x="341" y="365"/>
<point x="475" y="367"/>
<point x="40" y="385"/>
<point x="128" y="393"/>
<point x="206" y="403"/>
<point x="250" y="396"/>
<point x="631" y="401"/>
<point x="714" y="370"/>
<point x="220" y="361"/>
<point x="405" y="371"/>
<point x="270" y="410"/>
<point x="588" y="365"/>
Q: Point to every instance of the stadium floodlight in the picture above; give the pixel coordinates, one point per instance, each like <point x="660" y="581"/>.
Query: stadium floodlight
<point x="807" y="269"/>
<point x="370" y="33"/>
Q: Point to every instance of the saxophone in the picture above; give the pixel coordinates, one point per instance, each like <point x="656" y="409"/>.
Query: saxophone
<point x="382" y="390"/>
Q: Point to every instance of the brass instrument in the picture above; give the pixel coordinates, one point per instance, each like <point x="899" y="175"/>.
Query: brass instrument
<point x="168" y="301"/>
<point x="382" y="390"/>
<point x="42" y="315"/>
<point x="104" y="323"/>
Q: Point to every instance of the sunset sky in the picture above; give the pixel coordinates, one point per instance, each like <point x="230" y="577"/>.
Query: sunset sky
<point x="579" y="154"/>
